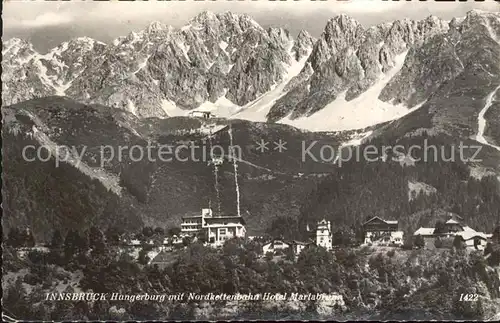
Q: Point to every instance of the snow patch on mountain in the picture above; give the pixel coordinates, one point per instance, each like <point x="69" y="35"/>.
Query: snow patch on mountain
<point x="491" y="31"/>
<point x="12" y="45"/>
<point x="258" y="109"/>
<point x="131" y="107"/>
<point x="172" y="110"/>
<point x="42" y="74"/>
<point x="361" y="112"/>
<point x="478" y="172"/>
<point x="416" y="188"/>
<point x="222" y="108"/>
<point x="357" y="139"/>
<point x="141" y="65"/>
<point x="223" y="45"/>
<point x="482" y="121"/>
<point x="185" y="50"/>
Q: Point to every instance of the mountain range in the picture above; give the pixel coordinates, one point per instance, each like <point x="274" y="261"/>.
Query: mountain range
<point x="395" y="83"/>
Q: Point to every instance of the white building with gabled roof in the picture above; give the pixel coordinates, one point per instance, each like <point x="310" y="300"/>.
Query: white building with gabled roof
<point x="274" y="245"/>
<point x="454" y="227"/>
<point x="424" y="232"/>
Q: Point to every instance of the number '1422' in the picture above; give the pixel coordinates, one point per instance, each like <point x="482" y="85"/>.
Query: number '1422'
<point x="468" y="297"/>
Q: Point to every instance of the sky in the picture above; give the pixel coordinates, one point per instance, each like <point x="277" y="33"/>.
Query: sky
<point x="48" y="23"/>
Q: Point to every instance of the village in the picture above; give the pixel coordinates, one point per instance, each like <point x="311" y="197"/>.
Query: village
<point x="215" y="230"/>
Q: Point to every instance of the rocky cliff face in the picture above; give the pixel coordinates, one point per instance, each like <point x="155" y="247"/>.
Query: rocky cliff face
<point x="349" y="58"/>
<point x="374" y="73"/>
<point x="215" y="55"/>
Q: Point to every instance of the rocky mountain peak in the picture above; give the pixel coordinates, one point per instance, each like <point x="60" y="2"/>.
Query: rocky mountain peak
<point x="479" y="12"/>
<point x="15" y="44"/>
<point x="341" y="23"/>
<point x="17" y="50"/>
<point x="436" y="22"/>
<point x="478" y="21"/>
<point x="220" y="26"/>
<point x="279" y="35"/>
<point x="304" y="36"/>
<point x="303" y="44"/>
<point x="475" y="16"/>
<point x="81" y="44"/>
<point x="208" y="18"/>
<point x="204" y="17"/>
<point x="229" y="56"/>
<point x="133" y="36"/>
<point x="245" y="21"/>
<point x="340" y="33"/>
<point x="156" y="26"/>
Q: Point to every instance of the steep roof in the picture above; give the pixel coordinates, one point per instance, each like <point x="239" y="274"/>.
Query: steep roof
<point x="424" y="232"/>
<point x="277" y="240"/>
<point x="470" y="233"/>
<point x="385" y="221"/>
<point x="454" y="215"/>
<point x="301" y="242"/>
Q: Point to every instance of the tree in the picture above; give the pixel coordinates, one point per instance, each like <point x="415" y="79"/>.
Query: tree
<point x="175" y="231"/>
<point x="289" y="254"/>
<point x="143" y="257"/>
<point x="494" y="258"/>
<point x="82" y="242"/>
<point x="57" y="239"/>
<point x="269" y="255"/>
<point x="20" y="238"/>
<point x="147" y="232"/>
<point x="96" y="240"/>
<point x="496" y="235"/>
<point x="186" y="241"/>
<point x="419" y="242"/>
<point x="37" y="257"/>
<point x="488" y="249"/>
<point x="16" y="300"/>
<point x="233" y="247"/>
<point x="280" y="222"/>
<point x="438" y="243"/>
<point x="159" y="231"/>
<point x="201" y="237"/>
<point x="113" y="236"/>
<point x="74" y="244"/>
<point x="458" y="243"/>
<point x="69" y="243"/>
<point x="30" y="239"/>
<point x="14" y="238"/>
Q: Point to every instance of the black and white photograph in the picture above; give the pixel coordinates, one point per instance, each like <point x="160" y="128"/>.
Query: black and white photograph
<point x="250" y="160"/>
